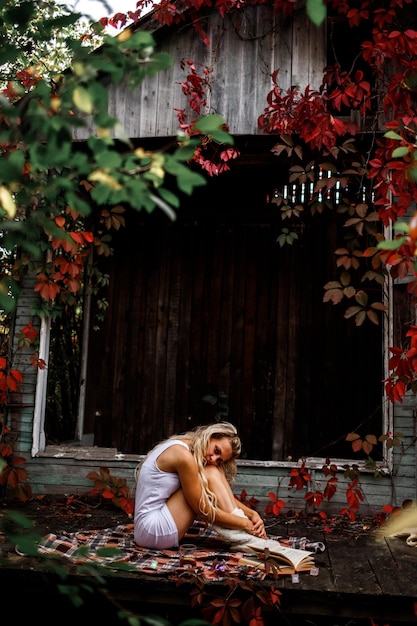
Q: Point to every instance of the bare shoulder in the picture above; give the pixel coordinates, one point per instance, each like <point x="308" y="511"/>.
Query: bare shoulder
<point x="175" y="458"/>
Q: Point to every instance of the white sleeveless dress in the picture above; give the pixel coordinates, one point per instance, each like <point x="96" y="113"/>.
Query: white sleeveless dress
<point x="154" y="526"/>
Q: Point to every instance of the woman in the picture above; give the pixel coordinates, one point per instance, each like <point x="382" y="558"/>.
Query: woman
<point x="189" y="476"/>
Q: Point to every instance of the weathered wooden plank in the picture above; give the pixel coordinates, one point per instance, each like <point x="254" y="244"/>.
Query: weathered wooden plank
<point x="186" y="311"/>
<point x="157" y="404"/>
<point x="155" y="423"/>
<point x="250" y="270"/>
<point x="213" y="305"/>
<point x="199" y="322"/>
<point x="244" y="49"/>
<point x="351" y="567"/>
<point x="172" y="345"/>
<point x="226" y="318"/>
<point x="405" y="557"/>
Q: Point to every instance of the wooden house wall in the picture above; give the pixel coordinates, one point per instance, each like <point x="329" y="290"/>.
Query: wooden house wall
<point x="211" y="303"/>
<point x="64" y="469"/>
<point x="242" y="57"/>
<point x="22" y="403"/>
<point x="245" y="48"/>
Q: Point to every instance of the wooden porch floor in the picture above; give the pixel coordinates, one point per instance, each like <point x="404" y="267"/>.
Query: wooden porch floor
<point x="363" y="579"/>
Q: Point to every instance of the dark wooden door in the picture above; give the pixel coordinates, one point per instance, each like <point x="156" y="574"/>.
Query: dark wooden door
<point x="212" y="304"/>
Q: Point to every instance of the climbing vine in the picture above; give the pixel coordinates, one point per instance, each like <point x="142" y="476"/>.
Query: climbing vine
<point x="59" y="200"/>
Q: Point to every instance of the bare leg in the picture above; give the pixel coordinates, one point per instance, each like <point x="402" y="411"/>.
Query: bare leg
<point x="218" y="484"/>
<point x="239" y="540"/>
<point x="181" y="512"/>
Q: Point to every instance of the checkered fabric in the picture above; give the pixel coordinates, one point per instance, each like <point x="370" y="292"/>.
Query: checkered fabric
<point x="116" y="548"/>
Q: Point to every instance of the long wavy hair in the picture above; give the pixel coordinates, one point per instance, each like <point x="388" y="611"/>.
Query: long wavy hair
<point x="199" y="440"/>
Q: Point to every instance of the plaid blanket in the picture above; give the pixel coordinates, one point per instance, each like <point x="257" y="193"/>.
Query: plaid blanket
<point x="115" y="548"/>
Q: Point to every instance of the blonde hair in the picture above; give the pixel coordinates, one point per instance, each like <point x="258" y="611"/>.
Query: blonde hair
<point x="199" y="440"/>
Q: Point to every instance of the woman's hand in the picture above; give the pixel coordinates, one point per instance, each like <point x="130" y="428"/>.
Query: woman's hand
<point x="258" y="527"/>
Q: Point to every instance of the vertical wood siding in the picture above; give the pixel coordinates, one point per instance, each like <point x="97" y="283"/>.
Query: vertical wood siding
<point x="22" y="403"/>
<point x="211" y="303"/>
<point x="245" y="49"/>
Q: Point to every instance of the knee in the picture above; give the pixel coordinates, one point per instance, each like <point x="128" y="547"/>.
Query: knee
<point x="215" y="476"/>
<point x="212" y="472"/>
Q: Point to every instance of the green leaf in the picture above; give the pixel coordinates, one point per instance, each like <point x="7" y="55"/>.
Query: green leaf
<point x="96" y="145"/>
<point x="392" y="135"/>
<point x="21" y="14"/>
<point x="104" y="120"/>
<point x="208" y="123"/>
<point x="139" y="39"/>
<point x="7" y="303"/>
<point x="8" y="54"/>
<point x="391" y="245"/>
<point x="160" y="61"/>
<point x="99" y="96"/>
<point x="169" y="197"/>
<point x="59" y="22"/>
<point x="186" y="152"/>
<point x="82" y="100"/>
<point x="101" y="194"/>
<point x="399" y="152"/>
<point x="221" y="136"/>
<point x="401" y="227"/>
<point x="211" y="125"/>
<point x="109" y="159"/>
<point x="187" y="180"/>
<point x="78" y="204"/>
<point x="316" y="11"/>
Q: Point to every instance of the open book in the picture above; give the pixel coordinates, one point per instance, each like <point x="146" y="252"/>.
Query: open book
<point x="282" y="558"/>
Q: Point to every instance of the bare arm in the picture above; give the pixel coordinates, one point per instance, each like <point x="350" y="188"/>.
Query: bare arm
<point x="180" y="460"/>
<point x="230" y="520"/>
<point x="190" y="482"/>
<point x="258" y="527"/>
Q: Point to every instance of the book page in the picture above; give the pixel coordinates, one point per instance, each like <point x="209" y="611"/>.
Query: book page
<point x="275" y="565"/>
<point x="299" y="560"/>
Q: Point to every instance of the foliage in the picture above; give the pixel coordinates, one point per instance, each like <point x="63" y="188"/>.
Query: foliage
<point x="242" y="600"/>
<point x="59" y="204"/>
<point x="32" y="47"/>
<point x="374" y="181"/>
<point x="59" y="199"/>
<point x="60" y="196"/>
<point x="377" y="184"/>
<point x="92" y="584"/>
<point x="251" y="502"/>
<point x="13" y="476"/>
<point x="112" y="488"/>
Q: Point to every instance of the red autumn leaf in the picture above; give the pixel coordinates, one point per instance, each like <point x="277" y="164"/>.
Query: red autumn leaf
<point x="30" y="332"/>
<point x="6" y="450"/>
<point x="108" y="495"/>
<point x="48" y="290"/>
